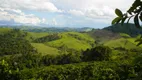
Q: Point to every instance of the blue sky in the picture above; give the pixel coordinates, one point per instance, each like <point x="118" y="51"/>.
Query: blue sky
<point x="61" y="13"/>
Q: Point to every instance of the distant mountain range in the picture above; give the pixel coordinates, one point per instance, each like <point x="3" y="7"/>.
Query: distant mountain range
<point x="129" y="29"/>
<point x="48" y="29"/>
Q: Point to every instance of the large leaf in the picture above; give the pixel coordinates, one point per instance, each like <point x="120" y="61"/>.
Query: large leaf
<point x="136" y="21"/>
<point x="116" y="20"/>
<point x="118" y="13"/>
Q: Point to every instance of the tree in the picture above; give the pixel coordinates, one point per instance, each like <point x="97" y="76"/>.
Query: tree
<point x="6" y="73"/>
<point x="98" y="53"/>
<point x="134" y="11"/>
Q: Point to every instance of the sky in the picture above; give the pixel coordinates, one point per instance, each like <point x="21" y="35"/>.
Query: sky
<point x="61" y="13"/>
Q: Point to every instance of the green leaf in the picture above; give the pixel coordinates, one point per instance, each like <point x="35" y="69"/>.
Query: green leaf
<point x="136" y="21"/>
<point x="116" y="20"/>
<point x="118" y="13"/>
<point x="131" y="10"/>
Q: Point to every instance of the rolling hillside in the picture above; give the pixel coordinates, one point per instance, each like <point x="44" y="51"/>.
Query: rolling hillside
<point x="4" y="30"/>
<point x="103" y="35"/>
<point x="44" y="50"/>
<point x="73" y="40"/>
<point x="113" y="39"/>
<point x="32" y="35"/>
<point x="49" y="43"/>
<point x="122" y="42"/>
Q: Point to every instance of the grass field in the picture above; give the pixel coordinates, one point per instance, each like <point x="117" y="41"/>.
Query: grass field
<point x="44" y="50"/>
<point x="32" y="35"/>
<point x="4" y="30"/>
<point x="73" y="40"/>
<point x="122" y="42"/>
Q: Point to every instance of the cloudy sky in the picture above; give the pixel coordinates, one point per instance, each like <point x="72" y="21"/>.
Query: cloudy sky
<point x="61" y="13"/>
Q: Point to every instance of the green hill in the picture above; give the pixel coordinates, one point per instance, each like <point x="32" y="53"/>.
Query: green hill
<point x="126" y="28"/>
<point x="73" y="40"/>
<point x="41" y="48"/>
<point x="4" y="30"/>
<point x="102" y="36"/>
<point x="49" y="43"/>
<point x="59" y="56"/>
<point x="52" y="43"/>
<point x="14" y="42"/>
<point x="32" y="35"/>
<point x="113" y="39"/>
<point x="122" y="42"/>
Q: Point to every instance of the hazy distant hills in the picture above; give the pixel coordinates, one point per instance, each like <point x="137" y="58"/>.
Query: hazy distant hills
<point x="48" y="29"/>
<point x="129" y="29"/>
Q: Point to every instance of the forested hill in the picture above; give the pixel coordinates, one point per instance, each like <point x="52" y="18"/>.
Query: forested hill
<point x="125" y="28"/>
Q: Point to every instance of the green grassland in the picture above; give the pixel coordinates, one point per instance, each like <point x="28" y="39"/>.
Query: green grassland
<point x="32" y="35"/>
<point x="122" y="42"/>
<point x="73" y="40"/>
<point x="4" y="30"/>
<point x="41" y="48"/>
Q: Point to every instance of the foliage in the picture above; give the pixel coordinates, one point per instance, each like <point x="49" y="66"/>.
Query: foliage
<point x="50" y="37"/>
<point x="134" y="11"/>
<point x="13" y="42"/>
<point x="99" y="53"/>
<point x="82" y="71"/>
<point x="6" y="73"/>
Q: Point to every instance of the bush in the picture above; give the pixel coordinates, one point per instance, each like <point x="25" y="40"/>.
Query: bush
<point x="98" y="53"/>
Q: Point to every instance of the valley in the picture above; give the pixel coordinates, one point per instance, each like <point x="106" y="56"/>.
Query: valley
<point x="54" y="54"/>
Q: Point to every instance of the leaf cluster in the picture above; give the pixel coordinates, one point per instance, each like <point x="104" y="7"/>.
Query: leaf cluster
<point x="135" y="12"/>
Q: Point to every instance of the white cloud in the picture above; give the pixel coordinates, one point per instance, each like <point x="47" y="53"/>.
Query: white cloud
<point x="81" y="4"/>
<point x="54" y="22"/>
<point x="18" y="16"/>
<point x="100" y="9"/>
<point x="41" y="5"/>
<point x="95" y="12"/>
<point x="87" y="10"/>
<point x="76" y="12"/>
<point x="43" y="20"/>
